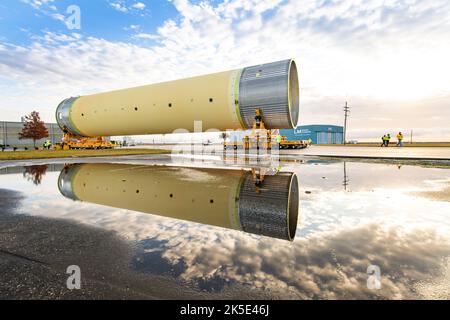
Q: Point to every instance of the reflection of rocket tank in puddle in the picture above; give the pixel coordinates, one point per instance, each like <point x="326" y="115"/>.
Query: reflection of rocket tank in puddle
<point x="234" y="199"/>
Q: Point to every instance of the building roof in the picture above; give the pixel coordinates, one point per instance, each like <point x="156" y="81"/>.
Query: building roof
<point x="21" y="123"/>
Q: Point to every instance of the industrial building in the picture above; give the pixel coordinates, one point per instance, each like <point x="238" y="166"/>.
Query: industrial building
<point x="9" y="135"/>
<point x="319" y="134"/>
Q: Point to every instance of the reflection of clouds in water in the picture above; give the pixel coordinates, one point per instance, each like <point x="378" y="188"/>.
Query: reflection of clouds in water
<point x="326" y="265"/>
<point x="197" y="175"/>
<point x="331" y="267"/>
<point x="436" y="184"/>
<point x="438" y="288"/>
<point x="366" y="176"/>
<point x="326" y="211"/>
<point x="404" y="258"/>
<point x="194" y="175"/>
<point x="342" y="234"/>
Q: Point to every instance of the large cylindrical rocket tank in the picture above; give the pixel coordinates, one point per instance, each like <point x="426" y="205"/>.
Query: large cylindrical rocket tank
<point x="223" y="198"/>
<point x="225" y="100"/>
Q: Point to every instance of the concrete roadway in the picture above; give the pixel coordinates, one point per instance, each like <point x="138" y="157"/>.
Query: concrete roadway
<point x="412" y="153"/>
<point x="390" y="153"/>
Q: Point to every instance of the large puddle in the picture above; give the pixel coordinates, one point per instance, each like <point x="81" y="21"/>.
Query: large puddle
<point x="317" y="229"/>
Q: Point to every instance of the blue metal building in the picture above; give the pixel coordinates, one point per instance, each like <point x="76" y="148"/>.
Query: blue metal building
<point x="319" y="134"/>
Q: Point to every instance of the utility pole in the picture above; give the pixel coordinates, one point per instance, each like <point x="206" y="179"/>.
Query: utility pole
<point x="411" y="136"/>
<point x="346" y="179"/>
<point x="346" y="112"/>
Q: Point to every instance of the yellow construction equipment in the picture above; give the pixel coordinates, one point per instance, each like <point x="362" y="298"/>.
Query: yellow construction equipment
<point x="260" y="142"/>
<point x="258" y="122"/>
<point x="71" y="141"/>
<point x="261" y="138"/>
<point x="293" y="144"/>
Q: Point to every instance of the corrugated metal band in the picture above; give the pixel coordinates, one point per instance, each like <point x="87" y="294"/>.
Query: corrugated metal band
<point x="63" y="117"/>
<point x="273" y="210"/>
<point x="65" y="181"/>
<point x="273" y="88"/>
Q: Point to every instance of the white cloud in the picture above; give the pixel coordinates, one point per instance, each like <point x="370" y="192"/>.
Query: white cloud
<point x="38" y="4"/>
<point x="55" y="38"/>
<point x="47" y="8"/>
<point x="58" y="16"/>
<point x="125" y="7"/>
<point x="119" y="6"/>
<point x="139" y="6"/>
<point x="389" y="59"/>
<point x="147" y="36"/>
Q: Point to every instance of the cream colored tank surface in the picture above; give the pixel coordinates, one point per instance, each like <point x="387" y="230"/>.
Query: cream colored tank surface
<point x="218" y="197"/>
<point x="225" y="100"/>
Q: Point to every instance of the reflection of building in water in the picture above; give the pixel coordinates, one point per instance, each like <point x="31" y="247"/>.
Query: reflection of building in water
<point x="53" y="167"/>
<point x="224" y="198"/>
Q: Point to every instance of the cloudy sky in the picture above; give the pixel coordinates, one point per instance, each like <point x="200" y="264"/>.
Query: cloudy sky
<point x="388" y="58"/>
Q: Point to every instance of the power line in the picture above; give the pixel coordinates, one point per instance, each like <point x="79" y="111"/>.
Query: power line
<point x="346" y="112"/>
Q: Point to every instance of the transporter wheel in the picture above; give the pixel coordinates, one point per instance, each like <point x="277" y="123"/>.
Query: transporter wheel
<point x="235" y="147"/>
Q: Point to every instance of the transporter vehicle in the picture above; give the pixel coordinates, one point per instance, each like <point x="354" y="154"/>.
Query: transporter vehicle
<point x="70" y="142"/>
<point x="250" y="142"/>
<point x="293" y="144"/>
<point x="261" y="138"/>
